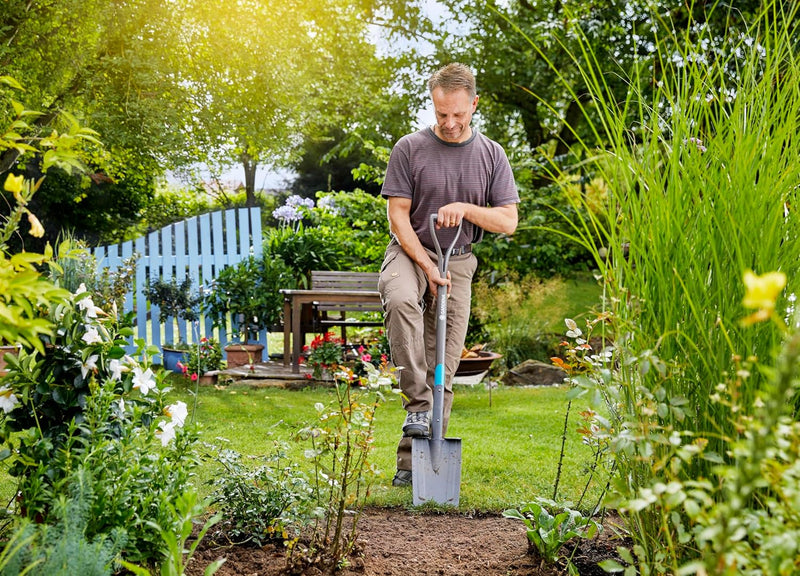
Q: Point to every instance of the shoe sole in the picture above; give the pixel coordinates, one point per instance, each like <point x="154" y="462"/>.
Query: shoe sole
<point x="397" y="481"/>
<point x="416" y="432"/>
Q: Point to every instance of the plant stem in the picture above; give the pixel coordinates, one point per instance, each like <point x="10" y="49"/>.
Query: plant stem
<point x="563" y="449"/>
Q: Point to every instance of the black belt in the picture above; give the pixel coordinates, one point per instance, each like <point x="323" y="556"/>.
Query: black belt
<point x="466" y="249"/>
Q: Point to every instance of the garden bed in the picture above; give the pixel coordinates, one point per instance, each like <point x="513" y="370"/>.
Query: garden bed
<point x="396" y="542"/>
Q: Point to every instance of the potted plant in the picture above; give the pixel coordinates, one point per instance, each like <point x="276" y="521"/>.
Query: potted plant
<point x="174" y="300"/>
<point x="249" y="292"/>
<point x="324" y="355"/>
<point x="205" y="359"/>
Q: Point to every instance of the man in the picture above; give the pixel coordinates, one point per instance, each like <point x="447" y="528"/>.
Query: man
<point x="465" y="178"/>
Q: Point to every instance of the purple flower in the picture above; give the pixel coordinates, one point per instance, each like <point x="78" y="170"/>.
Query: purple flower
<point x="287" y="214"/>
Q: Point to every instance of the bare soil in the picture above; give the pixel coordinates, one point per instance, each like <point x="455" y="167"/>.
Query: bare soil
<point x="396" y="542"/>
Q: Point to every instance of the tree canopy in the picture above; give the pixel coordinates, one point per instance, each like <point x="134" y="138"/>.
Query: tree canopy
<point x="218" y="82"/>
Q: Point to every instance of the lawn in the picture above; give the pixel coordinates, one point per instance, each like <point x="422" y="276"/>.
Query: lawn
<point x="511" y="439"/>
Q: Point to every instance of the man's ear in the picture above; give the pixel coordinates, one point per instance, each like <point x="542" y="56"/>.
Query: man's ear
<point x="475" y="103"/>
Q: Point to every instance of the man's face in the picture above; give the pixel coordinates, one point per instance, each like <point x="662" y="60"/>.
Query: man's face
<point x="454" y="112"/>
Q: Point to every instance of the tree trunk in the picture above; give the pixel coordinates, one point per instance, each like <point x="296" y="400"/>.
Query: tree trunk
<point x="250" y="167"/>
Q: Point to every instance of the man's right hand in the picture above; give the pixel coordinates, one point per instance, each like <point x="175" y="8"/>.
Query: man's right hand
<point x="435" y="280"/>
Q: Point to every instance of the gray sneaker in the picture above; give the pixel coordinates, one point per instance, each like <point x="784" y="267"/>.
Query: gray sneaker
<point x="417" y="425"/>
<point x="402" y="478"/>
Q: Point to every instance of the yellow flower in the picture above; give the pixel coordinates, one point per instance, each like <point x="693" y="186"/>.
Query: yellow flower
<point x="37" y="230"/>
<point x="761" y="292"/>
<point x="14" y="185"/>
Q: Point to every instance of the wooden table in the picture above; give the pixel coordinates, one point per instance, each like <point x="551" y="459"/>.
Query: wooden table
<point x="293" y="301"/>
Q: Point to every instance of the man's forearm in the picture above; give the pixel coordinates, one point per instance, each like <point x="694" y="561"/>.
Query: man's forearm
<point x="499" y="219"/>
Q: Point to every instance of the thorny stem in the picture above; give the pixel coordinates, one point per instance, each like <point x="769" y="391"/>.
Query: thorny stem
<point x="563" y="448"/>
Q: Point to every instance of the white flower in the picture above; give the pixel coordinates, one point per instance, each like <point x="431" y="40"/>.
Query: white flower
<point x="89" y="365"/>
<point x="144" y="381"/>
<point x="166" y="432"/>
<point x="177" y="412"/>
<point x="92" y="336"/>
<point x="8" y="401"/>
<point x="81" y="289"/>
<point x="87" y="305"/>
<point x="121" y="405"/>
<point x="116" y="369"/>
<point x="572" y="328"/>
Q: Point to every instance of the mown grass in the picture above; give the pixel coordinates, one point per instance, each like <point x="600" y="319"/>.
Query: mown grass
<point x="510" y="438"/>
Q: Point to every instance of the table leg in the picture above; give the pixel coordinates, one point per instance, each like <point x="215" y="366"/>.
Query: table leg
<point x="297" y="345"/>
<point x="287" y="330"/>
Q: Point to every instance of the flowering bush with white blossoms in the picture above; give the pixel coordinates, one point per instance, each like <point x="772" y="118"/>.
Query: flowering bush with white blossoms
<point x="87" y="406"/>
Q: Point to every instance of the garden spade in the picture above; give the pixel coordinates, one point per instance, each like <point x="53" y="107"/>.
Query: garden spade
<point x="436" y="461"/>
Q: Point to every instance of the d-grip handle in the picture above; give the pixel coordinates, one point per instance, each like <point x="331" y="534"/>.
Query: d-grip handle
<point x="443" y="262"/>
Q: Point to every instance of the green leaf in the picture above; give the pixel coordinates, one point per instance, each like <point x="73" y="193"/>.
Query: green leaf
<point x="12" y="82"/>
<point x="611" y="566"/>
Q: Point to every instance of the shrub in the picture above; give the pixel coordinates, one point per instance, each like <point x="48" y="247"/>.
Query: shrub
<point x="250" y="291"/>
<point x="304" y="249"/>
<point x="257" y="505"/>
<point x="174" y="299"/>
<point x="358" y="223"/>
<point x="505" y="314"/>
<point x="341" y="443"/>
<point x="85" y="404"/>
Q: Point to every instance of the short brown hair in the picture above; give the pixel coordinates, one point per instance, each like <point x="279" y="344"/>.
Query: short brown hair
<point x="453" y="77"/>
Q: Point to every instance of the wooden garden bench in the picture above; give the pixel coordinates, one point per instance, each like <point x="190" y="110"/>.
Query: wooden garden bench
<point x="333" y="300"/>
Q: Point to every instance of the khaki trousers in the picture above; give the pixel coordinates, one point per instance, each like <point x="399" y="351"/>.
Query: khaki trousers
<point x="410" y="321"/>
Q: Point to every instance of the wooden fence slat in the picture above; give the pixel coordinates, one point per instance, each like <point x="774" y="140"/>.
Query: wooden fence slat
<point x="167" y="272"/>
<point x="179" y="229"/>
<point x="140" y="302"/>
<point x="127" y="253"/>
<point x="230" y="237"/>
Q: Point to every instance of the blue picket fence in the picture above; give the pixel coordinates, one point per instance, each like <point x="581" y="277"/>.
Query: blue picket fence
<point x="197" y="248"/>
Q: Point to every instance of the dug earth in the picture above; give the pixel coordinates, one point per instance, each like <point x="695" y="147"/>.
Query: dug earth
<point x="396" y="542"/>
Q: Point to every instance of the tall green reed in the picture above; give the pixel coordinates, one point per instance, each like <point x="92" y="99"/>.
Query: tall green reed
<point x="700" y="159"/>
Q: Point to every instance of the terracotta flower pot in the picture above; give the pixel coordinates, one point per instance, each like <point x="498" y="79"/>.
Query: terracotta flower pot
<point x="243" y="354"/>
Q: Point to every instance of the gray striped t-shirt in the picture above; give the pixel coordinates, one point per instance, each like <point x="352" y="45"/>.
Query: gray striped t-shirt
<point x="432" y="173"/>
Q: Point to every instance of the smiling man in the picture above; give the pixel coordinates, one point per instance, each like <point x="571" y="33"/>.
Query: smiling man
<point x="463" y="177"/>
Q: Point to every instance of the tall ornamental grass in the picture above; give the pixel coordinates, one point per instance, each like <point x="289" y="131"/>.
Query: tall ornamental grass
<point x="698" y="164"/>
